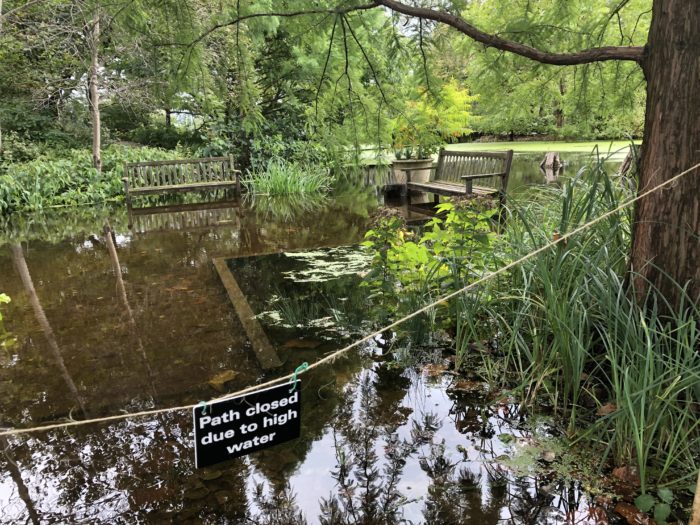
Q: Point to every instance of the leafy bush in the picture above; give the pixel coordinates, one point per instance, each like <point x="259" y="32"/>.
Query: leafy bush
<point x="17" y="147"/>
<point x="427" y="123"/>
<point x="281" y="177"/>
<point x="296" y="151"/>
<point x="408" y="272"/>
<point x="69" y="179"/>
<point x="162" y="136"/>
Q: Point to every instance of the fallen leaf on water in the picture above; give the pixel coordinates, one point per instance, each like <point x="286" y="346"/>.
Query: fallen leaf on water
<point x="219" y="380"/>
<point x="222" y="497"/>
<point x="302" y="343"/>
<point x="598" y="515"/>
<point x="633" y="515"/>
<point x="468" y="387"/>
<point x="208" y="475"/>
<point x="606" y="409"/>
<point x="435" y="369"/>
<point x="629" y="475"/>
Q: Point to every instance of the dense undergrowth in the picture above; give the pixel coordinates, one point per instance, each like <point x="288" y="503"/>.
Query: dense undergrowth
<point x="563" y="330"/>
<point x="67" y="178"/>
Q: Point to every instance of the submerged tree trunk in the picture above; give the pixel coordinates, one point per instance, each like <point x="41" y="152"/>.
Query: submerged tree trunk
<point x="16" y="475"/>
<point x="94" y="93"/>
<point x="665" y="245"/>
<point x="28" y="283"/>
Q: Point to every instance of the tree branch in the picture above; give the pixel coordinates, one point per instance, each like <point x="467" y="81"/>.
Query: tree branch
<point x="596" y="54"/>
<point x="338" y="11"/>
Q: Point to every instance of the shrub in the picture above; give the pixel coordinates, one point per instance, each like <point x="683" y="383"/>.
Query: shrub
<point x="69" y="179"/>
<point x="162" y="136"/>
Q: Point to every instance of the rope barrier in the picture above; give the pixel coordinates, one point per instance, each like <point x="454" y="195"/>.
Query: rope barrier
<point x="337" y="353"/>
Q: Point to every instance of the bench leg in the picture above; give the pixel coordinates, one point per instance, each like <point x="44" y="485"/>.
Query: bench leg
<point x="436" y="199"/>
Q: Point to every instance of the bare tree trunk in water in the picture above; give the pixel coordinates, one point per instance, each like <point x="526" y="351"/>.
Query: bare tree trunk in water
<point x="94" y="93"/>
<point x="16" y="475"/>
<point x="121" y="291"/>
<point x="23" y="270"/>
<point x="665" y="245"/>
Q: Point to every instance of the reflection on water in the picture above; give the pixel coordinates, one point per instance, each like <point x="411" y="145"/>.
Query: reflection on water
<point x="112" y="319"/>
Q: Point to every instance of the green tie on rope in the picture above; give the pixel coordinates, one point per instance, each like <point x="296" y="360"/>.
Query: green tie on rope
<point x="298" y="370"/>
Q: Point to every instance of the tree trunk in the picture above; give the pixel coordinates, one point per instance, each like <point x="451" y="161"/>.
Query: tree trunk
<point x="16" y="475"/>
<point x="25" y="276"/>
<point x="559" y="111"/>
<point x="94" y="94"/>
<point x="665" y="244"/>
<point x="168" y="118"/>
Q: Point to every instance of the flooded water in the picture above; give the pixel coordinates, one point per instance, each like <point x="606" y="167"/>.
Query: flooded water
<point x="107" y="323"/>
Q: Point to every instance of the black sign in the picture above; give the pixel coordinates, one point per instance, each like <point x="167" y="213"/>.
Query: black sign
<point x="238" y="426"/>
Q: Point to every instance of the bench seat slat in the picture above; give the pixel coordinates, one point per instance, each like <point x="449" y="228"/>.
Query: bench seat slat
<point x="150" y="190"/>
<point x="448" y="188"/>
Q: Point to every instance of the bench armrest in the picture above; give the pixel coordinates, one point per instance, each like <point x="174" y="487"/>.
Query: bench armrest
<point x="482" y="176"/>
<point x="408" y="171"/>
<point x="469" y="178"/>
<point x="432" y="168"/>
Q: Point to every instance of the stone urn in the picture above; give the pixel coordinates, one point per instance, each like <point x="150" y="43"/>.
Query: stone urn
<point x="419" y="175"/>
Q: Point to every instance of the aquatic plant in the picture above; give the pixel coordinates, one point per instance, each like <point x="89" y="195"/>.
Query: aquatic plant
<point x="564" y="329"/>
<point x="281" y="177"/>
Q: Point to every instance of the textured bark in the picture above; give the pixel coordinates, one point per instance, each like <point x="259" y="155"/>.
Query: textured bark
<point x="665" y="245"/>
<point x="94" y="94"/>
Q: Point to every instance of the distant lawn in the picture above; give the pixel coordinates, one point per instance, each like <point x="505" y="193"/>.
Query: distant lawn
<point x="619" y="147"/>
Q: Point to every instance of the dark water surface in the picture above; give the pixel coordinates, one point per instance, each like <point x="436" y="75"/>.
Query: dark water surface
<point x="379" y="443"/>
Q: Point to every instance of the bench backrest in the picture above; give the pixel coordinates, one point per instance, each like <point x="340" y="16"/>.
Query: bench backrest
<point x="452" y="165"/>
<point x="159" y="173"/>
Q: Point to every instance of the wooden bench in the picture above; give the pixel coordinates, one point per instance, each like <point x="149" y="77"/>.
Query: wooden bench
<point x="166" y="176"/>
<point x="457" y="171"/>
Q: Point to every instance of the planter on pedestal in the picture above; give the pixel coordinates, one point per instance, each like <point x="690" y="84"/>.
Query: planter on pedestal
<point x="419" y="175"/>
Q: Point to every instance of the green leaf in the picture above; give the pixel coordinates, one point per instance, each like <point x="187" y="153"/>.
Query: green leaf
<point x="661" y="512"/>
<point x="665" y="495"/>
<point x="644" y="502"/>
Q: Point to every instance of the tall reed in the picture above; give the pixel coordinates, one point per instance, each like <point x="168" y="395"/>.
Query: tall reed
<point x="281" y="177"/>
<point x="569" y="333"/>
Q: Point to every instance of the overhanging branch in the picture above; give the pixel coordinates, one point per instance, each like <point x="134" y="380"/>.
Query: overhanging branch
<point x="596" y="54"/>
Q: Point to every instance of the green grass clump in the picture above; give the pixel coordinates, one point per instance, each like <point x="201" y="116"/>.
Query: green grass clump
<point x="570" y="333"/>
<point x="280" y="177"/>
